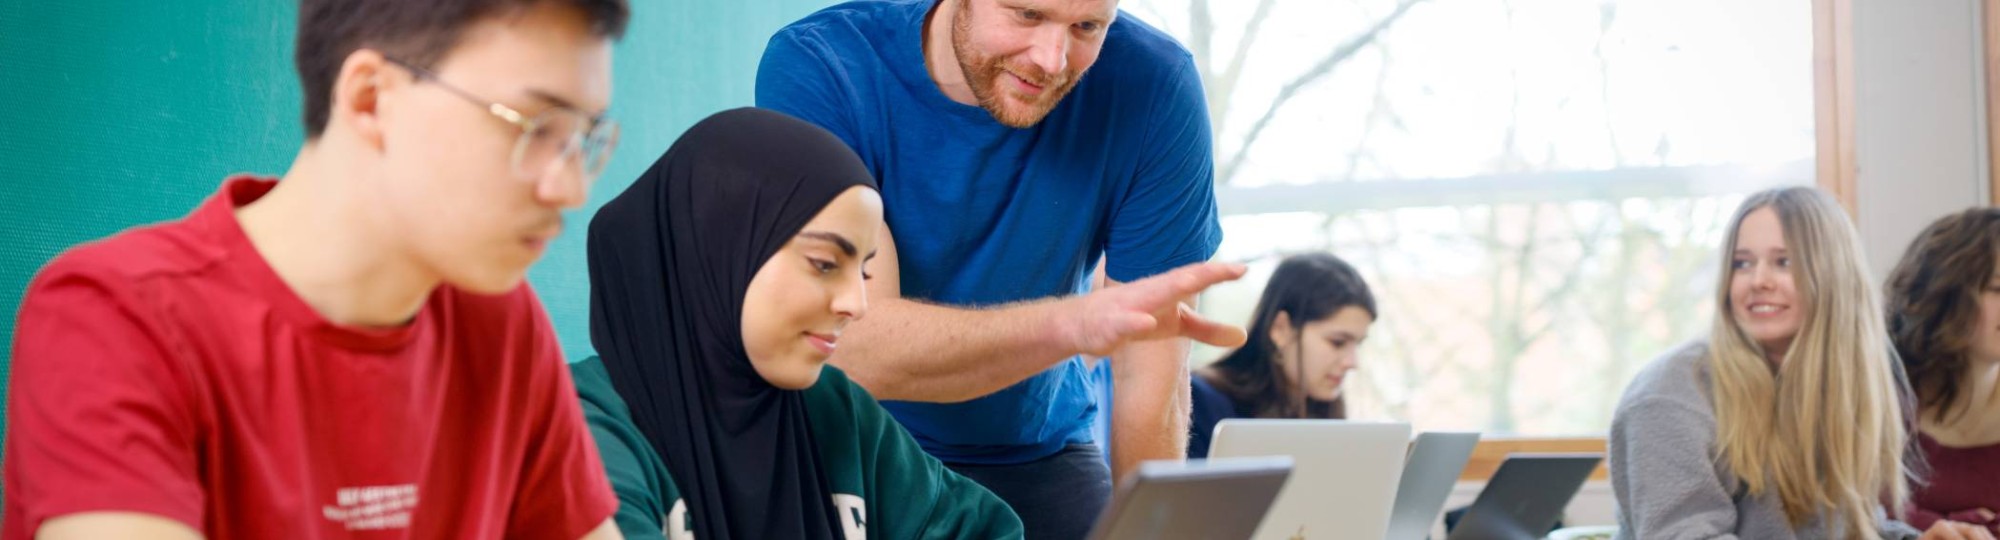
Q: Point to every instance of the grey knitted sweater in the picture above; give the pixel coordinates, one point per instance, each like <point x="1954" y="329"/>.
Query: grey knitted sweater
<point x="1667" y="475"/>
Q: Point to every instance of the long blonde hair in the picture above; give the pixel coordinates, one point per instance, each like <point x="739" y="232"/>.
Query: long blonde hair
<point x="1825" y="429"/>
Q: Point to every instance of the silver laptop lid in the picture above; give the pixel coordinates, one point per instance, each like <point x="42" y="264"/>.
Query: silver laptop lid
<point x="1436" y="460"/>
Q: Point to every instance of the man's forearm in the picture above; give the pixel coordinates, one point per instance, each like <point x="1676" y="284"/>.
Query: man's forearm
<point x="1149" y="413"/>
<point x="912" y="351"/>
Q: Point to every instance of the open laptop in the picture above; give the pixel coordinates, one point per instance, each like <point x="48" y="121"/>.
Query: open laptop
<point x="1526" y="497"/>
<point x="1344" y="474"/>
<point x="1213" y="499"/>
<point x="1429" y="474"/>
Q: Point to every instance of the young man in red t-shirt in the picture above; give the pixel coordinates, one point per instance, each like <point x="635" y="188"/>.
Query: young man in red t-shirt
<point x="350" y="352"/>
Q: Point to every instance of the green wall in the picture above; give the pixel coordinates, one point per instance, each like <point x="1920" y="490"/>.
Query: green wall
<point x="124" y="113"/>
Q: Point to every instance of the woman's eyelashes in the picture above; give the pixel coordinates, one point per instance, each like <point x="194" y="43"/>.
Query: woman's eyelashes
<point x="1745" y="264"/>
<point x="828" y="267"/>
<point x="823" y="266"/>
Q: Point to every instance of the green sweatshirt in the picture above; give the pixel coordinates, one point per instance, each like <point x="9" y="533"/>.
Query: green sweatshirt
<point x="884" y="485"/>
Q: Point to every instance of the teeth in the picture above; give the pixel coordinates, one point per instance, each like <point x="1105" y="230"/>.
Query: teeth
<point x="1763" y="308"/>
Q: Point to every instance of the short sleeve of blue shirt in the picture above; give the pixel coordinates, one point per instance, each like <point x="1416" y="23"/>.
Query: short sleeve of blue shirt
<point x="983" y="214"/>
<point x="1167" y="217"/>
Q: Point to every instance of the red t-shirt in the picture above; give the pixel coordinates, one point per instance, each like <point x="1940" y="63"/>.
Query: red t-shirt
<point x="167" y="370"/>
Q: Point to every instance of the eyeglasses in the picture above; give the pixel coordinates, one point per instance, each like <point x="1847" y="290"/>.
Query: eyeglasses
<point x="557" y="137"/>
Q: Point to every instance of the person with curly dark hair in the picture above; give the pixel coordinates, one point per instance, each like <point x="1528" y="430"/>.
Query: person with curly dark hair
<point x="1944" y="316"/>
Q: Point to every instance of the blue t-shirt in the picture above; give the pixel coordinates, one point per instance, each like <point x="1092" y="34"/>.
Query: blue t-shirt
<point x="984" y="214"/>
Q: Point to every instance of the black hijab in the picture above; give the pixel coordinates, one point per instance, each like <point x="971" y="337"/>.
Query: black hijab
<point x="670" y="261"/>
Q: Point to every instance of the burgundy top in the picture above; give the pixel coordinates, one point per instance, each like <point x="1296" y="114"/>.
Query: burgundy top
<point x="1962" y="481"/>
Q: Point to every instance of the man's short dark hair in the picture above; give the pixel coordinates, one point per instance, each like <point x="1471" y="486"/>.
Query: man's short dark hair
<point x="414" y="31"/>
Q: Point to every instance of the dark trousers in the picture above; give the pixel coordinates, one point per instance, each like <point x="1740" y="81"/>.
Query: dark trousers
<point x="1058" y="497"/>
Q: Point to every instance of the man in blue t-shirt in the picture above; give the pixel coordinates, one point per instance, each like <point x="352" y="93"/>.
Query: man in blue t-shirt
<point x="1019" y="143"/>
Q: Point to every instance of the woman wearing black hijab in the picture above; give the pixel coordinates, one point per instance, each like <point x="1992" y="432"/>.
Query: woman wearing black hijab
<point x="720" y="281"/>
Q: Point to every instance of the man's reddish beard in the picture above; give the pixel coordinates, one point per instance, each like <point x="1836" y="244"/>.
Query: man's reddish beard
<point x="983" y="74"/>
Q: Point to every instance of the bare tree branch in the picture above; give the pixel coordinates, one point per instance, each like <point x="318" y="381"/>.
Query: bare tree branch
<point x="1223" y="85"/>
<point x="1318" y="70"/>
<point x="1607" y="13"/>
<point x="1393" y="299"/>
<point x="1201" y="33"/>
<point x="1377" y="106"/>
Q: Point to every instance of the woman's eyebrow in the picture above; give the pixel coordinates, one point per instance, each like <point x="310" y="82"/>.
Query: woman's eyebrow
<point x="835" y="239"/>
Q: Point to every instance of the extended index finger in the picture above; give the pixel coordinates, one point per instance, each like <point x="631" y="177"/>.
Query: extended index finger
<point x="1164" y="289"/>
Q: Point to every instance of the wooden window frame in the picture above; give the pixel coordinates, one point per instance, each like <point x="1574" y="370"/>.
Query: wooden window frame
<point x="1833" y="100"/>
<point x="1990" y="28"/>
<point x="1486" y="457"/>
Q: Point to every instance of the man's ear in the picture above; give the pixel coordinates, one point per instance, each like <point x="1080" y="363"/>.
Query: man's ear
<point x="357" y="95"/>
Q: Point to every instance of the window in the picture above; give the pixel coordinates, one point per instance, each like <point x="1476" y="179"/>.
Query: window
<point x="1534" y="190"/>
